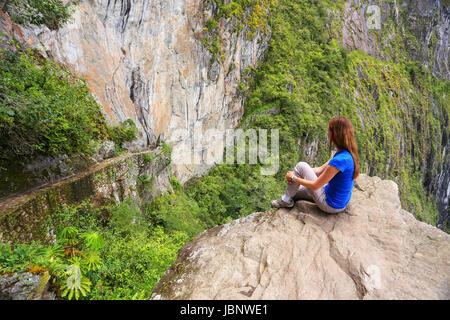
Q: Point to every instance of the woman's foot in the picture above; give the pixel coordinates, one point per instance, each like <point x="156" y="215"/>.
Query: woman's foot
<point x="280" y="203"/>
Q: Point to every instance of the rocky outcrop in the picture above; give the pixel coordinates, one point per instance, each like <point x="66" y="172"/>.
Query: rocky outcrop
<point x="374" y="250"/>
<point x="25" y="286"/>
<point x="144" y="60"/>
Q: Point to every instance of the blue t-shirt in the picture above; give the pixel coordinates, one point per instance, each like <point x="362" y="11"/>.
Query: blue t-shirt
<point x="339" y="188"/>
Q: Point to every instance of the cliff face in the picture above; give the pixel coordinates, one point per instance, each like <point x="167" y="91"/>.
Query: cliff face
<point x="374" y="250"/>
<point x="144" y="60"/>
<point x="409" y="30"/>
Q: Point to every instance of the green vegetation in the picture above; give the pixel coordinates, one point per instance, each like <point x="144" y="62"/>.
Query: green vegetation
<point x="148" y="157"/>
<point x="166" y="149"/>
<point x="144" y="179"/>
<point x="52" y="13"/>
<point x="252" y="14"/>
<point x="133" y="246"/>
<point x="233" y="191"/>
<point x="106" y="252"/>
<point x="45" y="109"/>
<point x="133" y="264"/>
<point x="404" y="110"/>
<point x="68" y="263"/>
<point x="177" y="212"/>
<point x="127" y="131"/>
<point x="120" y="252"/>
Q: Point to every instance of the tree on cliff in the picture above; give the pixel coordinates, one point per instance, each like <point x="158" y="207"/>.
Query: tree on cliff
<point x="52" y="13"/>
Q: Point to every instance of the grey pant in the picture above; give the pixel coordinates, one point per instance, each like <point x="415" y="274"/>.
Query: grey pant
<point x="297" y="191"/>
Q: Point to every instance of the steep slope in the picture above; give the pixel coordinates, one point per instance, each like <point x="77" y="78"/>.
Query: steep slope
<point x="180" y="67"/>
<point x="409" y="33"/>
<point x="391" y="82"/>
<point x="411" y="30"/>
<point x="374" y="250"/>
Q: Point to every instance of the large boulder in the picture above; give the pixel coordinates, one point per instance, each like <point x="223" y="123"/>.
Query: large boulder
<point x="373" y="250"/>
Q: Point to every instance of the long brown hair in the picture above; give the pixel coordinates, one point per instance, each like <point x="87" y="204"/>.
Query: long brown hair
<point x="343" y="137"/>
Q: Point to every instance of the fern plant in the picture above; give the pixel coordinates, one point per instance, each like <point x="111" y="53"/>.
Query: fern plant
<point x="81" y="249"/>
<point x="75" y="283"/>
<point x="69" y="238"/>
<point x="91" y="260"/>
<point x="68" y="264"/>
<point x="92" y="240"/>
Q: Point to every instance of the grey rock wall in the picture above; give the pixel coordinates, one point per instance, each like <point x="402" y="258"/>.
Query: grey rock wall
<point x="25" y="286"/>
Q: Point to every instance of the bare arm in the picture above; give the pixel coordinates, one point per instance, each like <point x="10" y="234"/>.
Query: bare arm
<point x="324" y="178"/>
<point x="318" y="171"/>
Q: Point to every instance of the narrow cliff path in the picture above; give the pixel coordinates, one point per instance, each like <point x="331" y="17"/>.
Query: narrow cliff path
<point x="16" y="198"/>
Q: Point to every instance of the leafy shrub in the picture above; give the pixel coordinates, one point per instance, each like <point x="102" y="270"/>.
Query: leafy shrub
<point x="166" y="149"/>
<point x="43" y="108"/>
<point x="145" y="179"/>
<point x="16" y="259"/>
<point x="148" y="157"/>
<point x="49" y="12"/>
<point x="175" y="183"/>
<point x="75" y="283"/>
<point x="83" y="217"/>
<point x="233" y="191"/>
<point x="81" y="257"/>
<point x="126" y="132"/>
<point x="127" y="218"/>
<point x="132" y="266"/>
<point x="211" y="23"/>
<point x="123" y="259"/>
<point x="69" y="261"/>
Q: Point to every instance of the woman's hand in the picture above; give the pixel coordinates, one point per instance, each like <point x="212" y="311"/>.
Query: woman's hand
<point x="322" y="180"/>
<point x="289" y="175"/>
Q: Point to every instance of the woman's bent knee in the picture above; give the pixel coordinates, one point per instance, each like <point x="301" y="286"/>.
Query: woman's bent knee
<point x="302" y="164"/>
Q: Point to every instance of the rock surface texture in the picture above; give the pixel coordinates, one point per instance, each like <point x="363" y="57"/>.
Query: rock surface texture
<point x="25" y="286"/>
<point x="427" y="20"/>
<point x="374" y="250"/>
